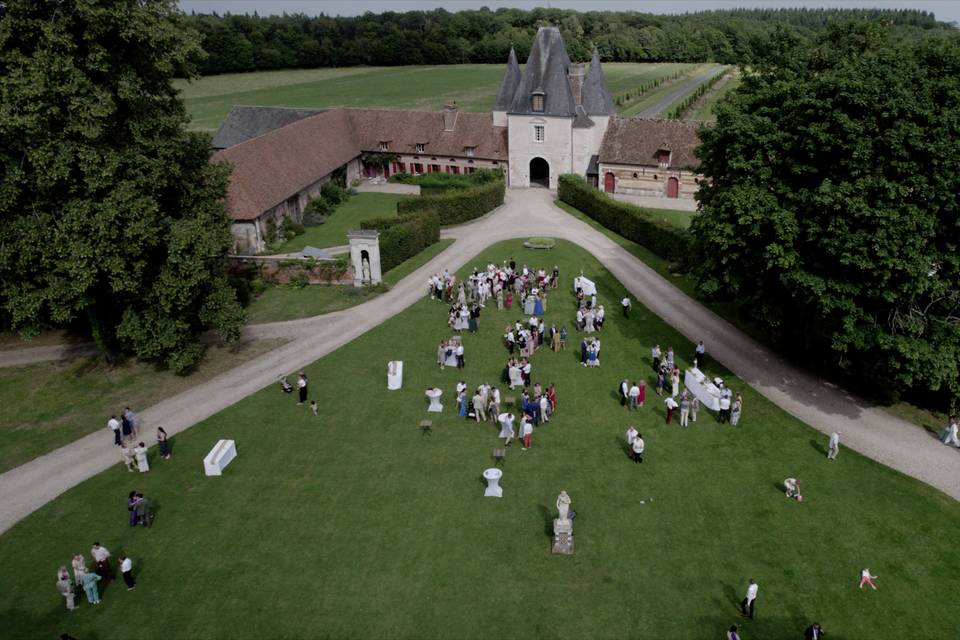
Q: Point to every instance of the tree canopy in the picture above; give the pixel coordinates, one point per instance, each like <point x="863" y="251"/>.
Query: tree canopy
<point x="110" y="209"/>
<point x="831" y="212"/>
<point x="251" y="43"/>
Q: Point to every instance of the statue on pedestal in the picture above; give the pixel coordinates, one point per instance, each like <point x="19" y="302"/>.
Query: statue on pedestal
<point x="563" y="507"/>
<point x="563" y="526"/>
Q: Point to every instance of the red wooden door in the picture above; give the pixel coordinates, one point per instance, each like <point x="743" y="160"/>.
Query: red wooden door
<point x="673" y="188"/>
<point x="609" y="183"/>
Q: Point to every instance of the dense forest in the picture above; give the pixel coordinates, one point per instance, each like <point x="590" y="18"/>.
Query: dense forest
<point x="250" y="43"/>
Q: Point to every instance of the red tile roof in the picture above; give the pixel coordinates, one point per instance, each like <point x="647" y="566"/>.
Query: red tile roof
<point x="406" y="129"/>
<point x="272" y="167"/>
<point x="637" y="140"/>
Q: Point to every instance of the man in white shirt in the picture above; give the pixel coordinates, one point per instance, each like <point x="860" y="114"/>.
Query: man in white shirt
<point x="671" y="406"/>
<point x="834" y="447"/>
<point x="479" y="411"/>
<point x="724" y="413"/>
<point x="750" y="599"/>
<point x="634" y="396"/>
<point x="625" y="393"/>
<point x="655" y="354"/>
<point x="637" y="448"/>
<point x="459" y="353"/>
<point x="126" y="570"/>
<point x="625" y="303"/>
<point x="114" y="425"/>
<point x="101" y="558"/>
<point x="631" y="436"/>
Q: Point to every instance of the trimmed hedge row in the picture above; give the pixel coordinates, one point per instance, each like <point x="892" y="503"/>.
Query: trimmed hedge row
<point x="445" y="181"/>
<point x="632" y="222"/>
<point x="404" y="237"/>
<point x="458" y="205"/>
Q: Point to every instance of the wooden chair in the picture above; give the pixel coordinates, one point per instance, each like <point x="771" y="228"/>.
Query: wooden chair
<point x="499" y="455"/>
<point x="426" y="427"/>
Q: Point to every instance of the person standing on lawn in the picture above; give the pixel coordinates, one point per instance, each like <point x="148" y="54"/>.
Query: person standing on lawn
<point x="90" y="581"/>
<point x="638" y="448"/>
<point x="164" y="446"/>
<point x="625" y="303"/>
<point x="700" y="355"/>
<point x="813" y="632"/>
<point x="866" y="578"/>
<point x="101" y="559"/>
<point x="140" y="453"/>
<point x="302" y="387"/>
<point x="142" y="509"/>
<point x="655" y="353"/>
<point x="671" y="406"/>
<point x="684" y="410"/>
<point x="748" y="602"/>
<point x="634" y="394"/>
<point x="833" y="448"/>
<point x="526" y="431"/>
<point x="66" y="590"/>
<point x="126" y="570"/>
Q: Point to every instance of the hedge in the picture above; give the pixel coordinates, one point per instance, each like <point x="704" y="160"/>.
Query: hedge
<point x="459" y="205"/>
<point x="631" y="222"/>
<point x="404" y="237"/>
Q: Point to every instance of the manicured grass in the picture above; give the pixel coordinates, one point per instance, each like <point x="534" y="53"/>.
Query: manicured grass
<point x="283" y="303"/>
<point x="705" y="112"/>
<point x="675" y="217"/>
<point x="658" y="94"/>
<point x="50" y="404"/>
<point x="473" y="86"/>
<point x="356" y="525"/>
<point x="928" y="419"/>
<point x="348" y="215"/>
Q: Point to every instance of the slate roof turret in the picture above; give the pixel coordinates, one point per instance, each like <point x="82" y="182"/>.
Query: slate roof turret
<point x="508" y="87"/>
<point x="546" y="71"/>
<point x="596" y="98"/>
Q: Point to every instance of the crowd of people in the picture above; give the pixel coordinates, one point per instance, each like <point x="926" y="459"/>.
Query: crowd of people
<point x="88" y="582"/>
<point x="536" y="406"/>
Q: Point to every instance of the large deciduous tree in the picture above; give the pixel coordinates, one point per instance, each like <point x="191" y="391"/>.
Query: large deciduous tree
<point x="831" y="211"/>
<point x="110" y="212"/>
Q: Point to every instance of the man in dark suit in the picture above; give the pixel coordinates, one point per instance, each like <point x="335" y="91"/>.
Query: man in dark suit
<point x="813" y="632"/>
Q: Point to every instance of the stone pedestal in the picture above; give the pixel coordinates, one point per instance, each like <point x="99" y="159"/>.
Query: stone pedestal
<point x="434" y="397"/>
<point x="493" y="490"/>
<point x="563" y="537"/>
<point x="394" y="375"/>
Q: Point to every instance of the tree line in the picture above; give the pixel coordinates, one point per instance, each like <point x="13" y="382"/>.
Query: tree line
<point x="236" y="43"/>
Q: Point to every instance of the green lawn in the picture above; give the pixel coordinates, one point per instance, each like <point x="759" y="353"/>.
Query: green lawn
<point x="356" y="525"/>
<point x="705" y="112"/>
<point x="676" y="217"/>
<point x="348" y="215"/>
<point x="473" y="86"/>
<point x="282" y="303"/>
<point x="50" y="404"/>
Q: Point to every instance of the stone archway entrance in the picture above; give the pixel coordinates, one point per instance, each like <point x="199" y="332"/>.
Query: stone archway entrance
<point x="539" y="173"/>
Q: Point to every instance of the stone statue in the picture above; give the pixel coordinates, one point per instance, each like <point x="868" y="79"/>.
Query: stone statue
<point x="366" y="270"/>
<point x="563" y="506"/>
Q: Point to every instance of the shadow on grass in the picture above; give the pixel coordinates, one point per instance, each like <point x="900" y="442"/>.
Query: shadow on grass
<point x="819" y="448"/>
<point x="547" y="516"/>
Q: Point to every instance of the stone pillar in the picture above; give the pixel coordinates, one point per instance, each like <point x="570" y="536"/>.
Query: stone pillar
<point x="365" y="256"/>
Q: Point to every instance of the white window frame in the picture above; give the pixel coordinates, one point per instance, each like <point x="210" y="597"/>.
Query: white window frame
<point x="421" y="146"/>
<point x="539" y="132"/>
<point x="469" y="151"/>
<point x="383" y="145"/>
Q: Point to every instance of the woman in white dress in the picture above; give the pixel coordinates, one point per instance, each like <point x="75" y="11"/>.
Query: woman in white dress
<point x="516" y="378"/>
<point x="588" y="322"/>
<point x="675" y="382"/>
<point x="140" y="452"/>
<point x="79" y="568"/>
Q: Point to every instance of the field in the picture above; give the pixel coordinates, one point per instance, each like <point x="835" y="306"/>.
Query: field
<point x="472" y="86"/>
<point x="354" y="524"/>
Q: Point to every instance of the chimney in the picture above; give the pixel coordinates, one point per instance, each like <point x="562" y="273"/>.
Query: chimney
<point x="449" y="116"/>
<point x="575" y="76"/>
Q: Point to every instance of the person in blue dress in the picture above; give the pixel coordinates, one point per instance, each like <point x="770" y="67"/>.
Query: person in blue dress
<point x="462" y="403"/>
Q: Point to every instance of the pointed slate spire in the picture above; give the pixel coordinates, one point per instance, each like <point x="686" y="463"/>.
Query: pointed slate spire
<point x="511" y="80"/>
<point x="596" y="99"/>
<point x="546" y="72"/>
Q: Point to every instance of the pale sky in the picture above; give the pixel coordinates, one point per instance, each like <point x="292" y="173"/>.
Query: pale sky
<point x="945" y="10"/>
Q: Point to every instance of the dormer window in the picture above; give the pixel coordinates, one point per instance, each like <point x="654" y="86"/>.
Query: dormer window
<point x="420" y="146"/>
<point x="384" y="145"/>
<point x="469" y="151"/>
<point x="663" y="158"/>
<point x="536" y="101"/>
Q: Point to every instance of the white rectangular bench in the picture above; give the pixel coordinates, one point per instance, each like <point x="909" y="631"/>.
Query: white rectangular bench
<point x="219" y="457"/>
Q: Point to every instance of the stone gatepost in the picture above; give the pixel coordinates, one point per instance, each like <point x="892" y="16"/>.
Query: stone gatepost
<point x="365" y="256"/>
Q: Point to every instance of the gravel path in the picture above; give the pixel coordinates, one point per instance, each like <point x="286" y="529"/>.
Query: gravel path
<point x="527" y="212"/>
<point x="681" y="90"/>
